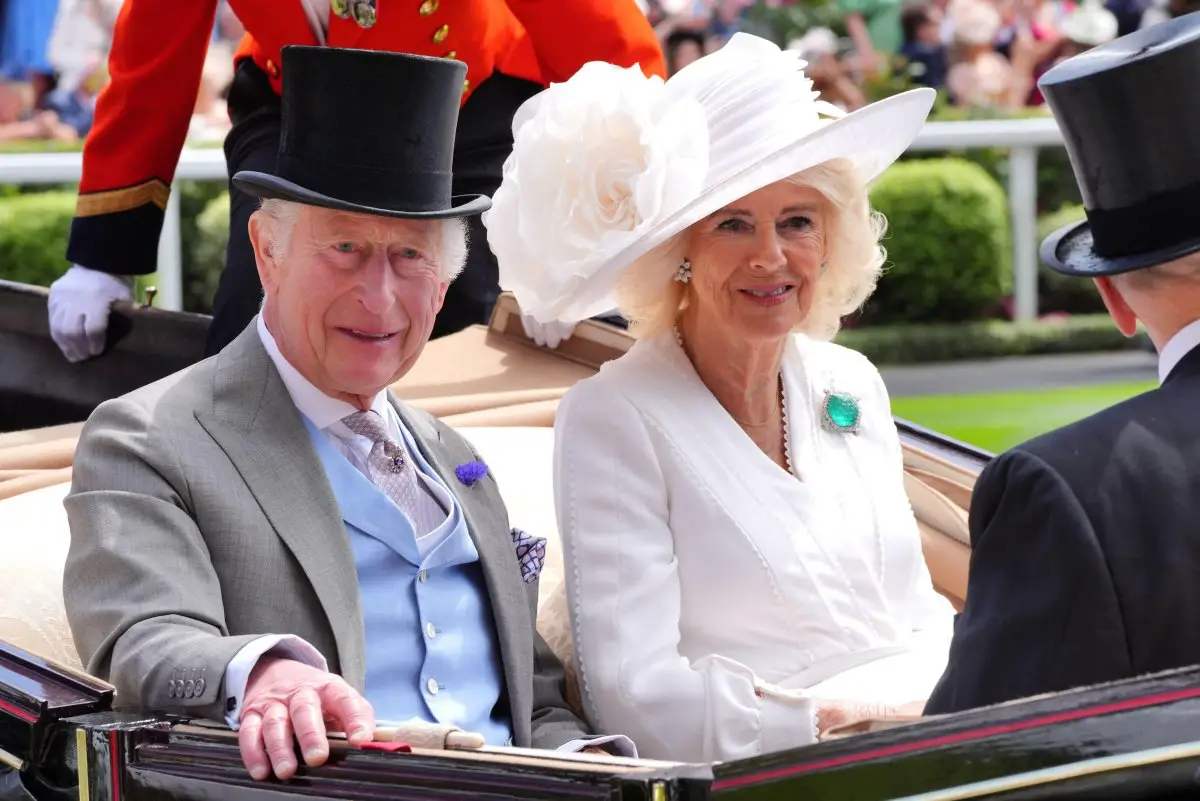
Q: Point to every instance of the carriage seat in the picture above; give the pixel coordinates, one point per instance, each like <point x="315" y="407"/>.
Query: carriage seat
<point x="34" y="538"/>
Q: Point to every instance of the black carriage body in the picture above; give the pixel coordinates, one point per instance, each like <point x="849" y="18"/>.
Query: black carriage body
<point x="38" y="387"/>
<point x="1131" y="739"/>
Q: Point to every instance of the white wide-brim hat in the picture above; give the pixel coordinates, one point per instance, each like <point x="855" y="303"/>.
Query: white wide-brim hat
<point x="610" y="164"/>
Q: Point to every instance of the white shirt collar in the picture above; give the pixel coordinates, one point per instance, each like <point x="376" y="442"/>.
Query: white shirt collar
<point x="314" y="404"/>
<point x="1178" y="346"/>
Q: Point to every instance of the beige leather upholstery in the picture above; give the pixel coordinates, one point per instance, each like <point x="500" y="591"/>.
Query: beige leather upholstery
<point x="34" y="538"/>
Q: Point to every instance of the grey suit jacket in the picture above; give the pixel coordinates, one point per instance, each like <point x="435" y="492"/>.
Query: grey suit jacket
<point x="201" y="518"/>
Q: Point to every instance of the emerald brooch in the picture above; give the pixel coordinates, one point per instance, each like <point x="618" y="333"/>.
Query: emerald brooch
<point x="840" y="413"/>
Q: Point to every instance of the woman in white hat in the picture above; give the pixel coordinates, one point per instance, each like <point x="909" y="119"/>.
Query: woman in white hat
<point x="742" y="564"/>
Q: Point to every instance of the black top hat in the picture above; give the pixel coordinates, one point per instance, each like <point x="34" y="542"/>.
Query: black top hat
<point x="1129" y="112"/>
<point x="368" y="131"/>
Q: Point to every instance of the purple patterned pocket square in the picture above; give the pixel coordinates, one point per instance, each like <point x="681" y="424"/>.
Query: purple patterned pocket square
<point x="531" y="554"/>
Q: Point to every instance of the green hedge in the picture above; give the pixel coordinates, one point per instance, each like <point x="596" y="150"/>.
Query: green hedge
<point x="947" y="243"/>
<point x="947" y="247"/>
<point x="33" y="236"/>
<point x="1056" y="186"/>
<point x="949" y="250"/>
<point x="34" y="228"/>
<point x="917" y="344"/>
<point x="207" y="253"/>
<point x="1064" y="293"/>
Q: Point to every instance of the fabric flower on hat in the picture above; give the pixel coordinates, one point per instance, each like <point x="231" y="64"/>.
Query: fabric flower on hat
<point x="597" y="161"/>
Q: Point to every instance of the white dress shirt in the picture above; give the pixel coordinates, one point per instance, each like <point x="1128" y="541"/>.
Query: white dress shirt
<point x="714" y="597"/>
<point x="1184" y="342"/>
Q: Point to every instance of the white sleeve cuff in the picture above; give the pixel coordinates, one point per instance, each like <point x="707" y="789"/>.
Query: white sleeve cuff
<point x="788" y="718"/>
<point x="618" y="745"/>
<point x="237" y="672"/>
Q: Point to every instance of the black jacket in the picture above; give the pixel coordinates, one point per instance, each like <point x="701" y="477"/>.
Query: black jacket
<point x="1085" y="563"/>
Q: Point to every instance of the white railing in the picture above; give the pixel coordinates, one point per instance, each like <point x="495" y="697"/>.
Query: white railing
<point x="1024" y="137"/>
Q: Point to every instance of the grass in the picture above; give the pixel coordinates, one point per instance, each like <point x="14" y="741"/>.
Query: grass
<point x="997" y="421"/>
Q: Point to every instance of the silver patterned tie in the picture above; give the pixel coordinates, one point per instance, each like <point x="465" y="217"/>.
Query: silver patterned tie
<point x="389" y="465"/>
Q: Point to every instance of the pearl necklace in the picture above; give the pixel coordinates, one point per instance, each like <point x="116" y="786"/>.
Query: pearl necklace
<point x="787" y="428"/>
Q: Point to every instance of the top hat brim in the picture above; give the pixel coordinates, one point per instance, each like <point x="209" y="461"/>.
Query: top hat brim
<point x="266" y="186"/>
<point x="1070" y="251"/>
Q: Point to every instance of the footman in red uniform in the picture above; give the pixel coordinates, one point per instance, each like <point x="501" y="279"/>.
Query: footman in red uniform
<point x="512" y="49"/>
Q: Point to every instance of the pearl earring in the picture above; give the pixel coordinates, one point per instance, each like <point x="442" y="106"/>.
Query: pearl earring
<point x="683" y="273"/>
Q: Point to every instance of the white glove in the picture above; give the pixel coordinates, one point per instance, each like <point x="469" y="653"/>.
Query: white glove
<point x="549" y="335"/>
<point x="79" y="305"/>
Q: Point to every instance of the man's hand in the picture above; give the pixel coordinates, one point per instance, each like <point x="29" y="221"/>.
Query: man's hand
<point x="79" y="305"/>
<point x="285" y="697"/>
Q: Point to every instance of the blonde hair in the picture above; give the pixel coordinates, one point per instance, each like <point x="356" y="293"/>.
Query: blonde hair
<point x="651" y="299"/>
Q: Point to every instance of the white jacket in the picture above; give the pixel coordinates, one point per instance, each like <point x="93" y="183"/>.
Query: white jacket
<point x="713" y="595"/>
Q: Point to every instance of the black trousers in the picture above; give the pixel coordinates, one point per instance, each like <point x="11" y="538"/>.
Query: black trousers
<point x="482" y="143"/>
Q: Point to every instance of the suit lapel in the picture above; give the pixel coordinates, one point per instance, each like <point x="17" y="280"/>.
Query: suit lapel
<point x="487" y="523"/>
<point x="255" y="422"/>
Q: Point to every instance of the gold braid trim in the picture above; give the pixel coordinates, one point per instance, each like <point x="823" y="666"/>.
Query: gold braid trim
<point x="114" y="200"/>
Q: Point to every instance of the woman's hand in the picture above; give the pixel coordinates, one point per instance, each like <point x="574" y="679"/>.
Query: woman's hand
<point x="834" y="713"/>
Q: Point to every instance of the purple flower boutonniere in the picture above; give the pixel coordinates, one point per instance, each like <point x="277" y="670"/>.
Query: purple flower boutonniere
<point x="471" y="472"/>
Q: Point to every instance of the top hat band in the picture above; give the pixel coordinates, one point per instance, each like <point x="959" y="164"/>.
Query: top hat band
<point x="1159" y="221"/>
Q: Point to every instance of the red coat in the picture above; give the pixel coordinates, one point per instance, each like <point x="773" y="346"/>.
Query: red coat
<point x="159" y="48"/>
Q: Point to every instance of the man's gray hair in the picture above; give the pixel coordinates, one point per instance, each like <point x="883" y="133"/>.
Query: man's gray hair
<point x="285" y="213"/>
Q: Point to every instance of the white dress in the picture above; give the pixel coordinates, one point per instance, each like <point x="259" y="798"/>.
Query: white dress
<point x="713" y="595"/>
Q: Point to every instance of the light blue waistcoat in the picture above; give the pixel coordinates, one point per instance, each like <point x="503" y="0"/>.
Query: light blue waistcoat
<point x="431" y="648"/>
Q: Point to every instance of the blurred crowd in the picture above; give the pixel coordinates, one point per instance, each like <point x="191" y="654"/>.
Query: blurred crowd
<point x="980" y="53"/>
<point x="54" y="61"/>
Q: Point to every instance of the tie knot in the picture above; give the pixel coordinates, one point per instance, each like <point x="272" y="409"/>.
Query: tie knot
<point x="367" y="424"/>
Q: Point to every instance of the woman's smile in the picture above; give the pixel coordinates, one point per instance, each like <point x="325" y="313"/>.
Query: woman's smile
<point x="769" y="294"/>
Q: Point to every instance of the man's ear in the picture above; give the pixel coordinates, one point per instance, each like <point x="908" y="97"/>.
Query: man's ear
<point x="260" y="240"/>
<point x="1118" y="309"/>
<point x="441" y="298"/>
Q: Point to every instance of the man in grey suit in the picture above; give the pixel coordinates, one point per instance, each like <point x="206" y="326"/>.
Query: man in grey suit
<point x="268" y="537"/>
